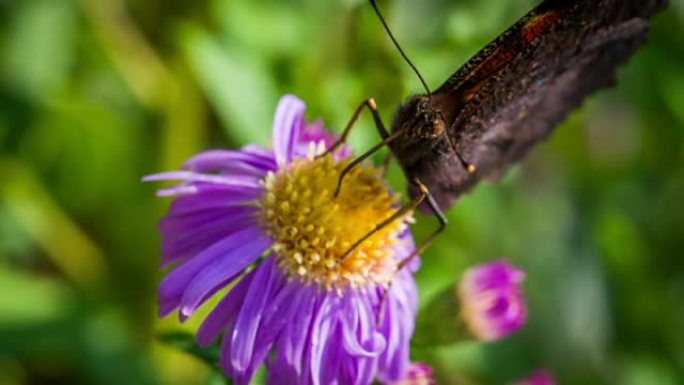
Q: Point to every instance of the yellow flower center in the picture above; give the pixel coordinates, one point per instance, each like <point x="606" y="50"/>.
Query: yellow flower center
<point x="313" y="230"/>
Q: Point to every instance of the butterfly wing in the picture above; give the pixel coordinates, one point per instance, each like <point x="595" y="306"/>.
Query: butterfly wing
<point x="511" y="95"/>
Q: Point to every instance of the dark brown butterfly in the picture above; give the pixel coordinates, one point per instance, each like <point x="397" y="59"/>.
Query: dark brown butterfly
<point x="510" y="96"/>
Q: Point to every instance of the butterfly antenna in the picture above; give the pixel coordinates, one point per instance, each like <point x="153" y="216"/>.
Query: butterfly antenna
<point x="396" y="44"/>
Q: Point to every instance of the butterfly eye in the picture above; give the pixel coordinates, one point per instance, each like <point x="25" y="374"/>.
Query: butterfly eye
<point x="437" y="126"/>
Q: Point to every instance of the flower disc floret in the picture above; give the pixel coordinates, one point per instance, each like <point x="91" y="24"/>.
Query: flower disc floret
<point x="313" y="230"/>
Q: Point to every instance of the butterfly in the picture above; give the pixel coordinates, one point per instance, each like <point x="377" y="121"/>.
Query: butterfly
<point x="509" y="96"/>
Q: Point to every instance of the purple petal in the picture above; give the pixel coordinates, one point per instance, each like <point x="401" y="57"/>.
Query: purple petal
<point x="334" y="357"/>
<point x="224" y="269"/>
<point x="397" y="328"/>
<point x="296" y="334"/>
<point x="184" y="189"/>
<point x="305" y="345"/>
<point x="186" y="237"/>
<point x="260" y="153"/>
<point x="321" y="326"/>
<point x="356" y="338"/>
<point x="190" y="176"/>
<point x="248" y="322"/>
<point x="227" y="345"/>
<point x="227" y="310"/>
<point x="404" y="248"/>
<point x="365" y="371"/>
<point x="172" y="287"/>
<point x="189" y="225"/>
<point x="211" y="197"/>
<point x="274" y="320"/>
<point x="286" y="125"/>
<point x="229" y="161"/>
<point x="391" y="333"/>
<point x="368" y="326"/>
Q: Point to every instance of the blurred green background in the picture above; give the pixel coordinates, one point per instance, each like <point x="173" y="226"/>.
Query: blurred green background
<point x="95" y="94"/>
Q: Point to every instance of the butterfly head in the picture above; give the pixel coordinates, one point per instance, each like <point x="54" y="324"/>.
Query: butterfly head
<point x="420" y="118"/>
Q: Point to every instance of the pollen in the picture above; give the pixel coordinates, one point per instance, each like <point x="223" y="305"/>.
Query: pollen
<point x="314" y="231"/>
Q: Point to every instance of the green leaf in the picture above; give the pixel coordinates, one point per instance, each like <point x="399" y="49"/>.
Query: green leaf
<point x="186" y="342"/>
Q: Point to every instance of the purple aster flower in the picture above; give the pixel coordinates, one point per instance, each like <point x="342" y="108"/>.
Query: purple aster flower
<point x="266" y="223"/>
<point x="539" y="377"/>
<point x="493" y="304"/>
<point x="418" y="374"/>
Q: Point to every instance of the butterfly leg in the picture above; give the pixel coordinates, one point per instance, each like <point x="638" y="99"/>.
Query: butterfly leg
<point x="363" y="157"/>
<point x="470" y="168"/>
<point x="403" y="210"/>
<point x="443" y="222"/>
<point x="373" y="107"/>
<point x="386" y="138"/>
